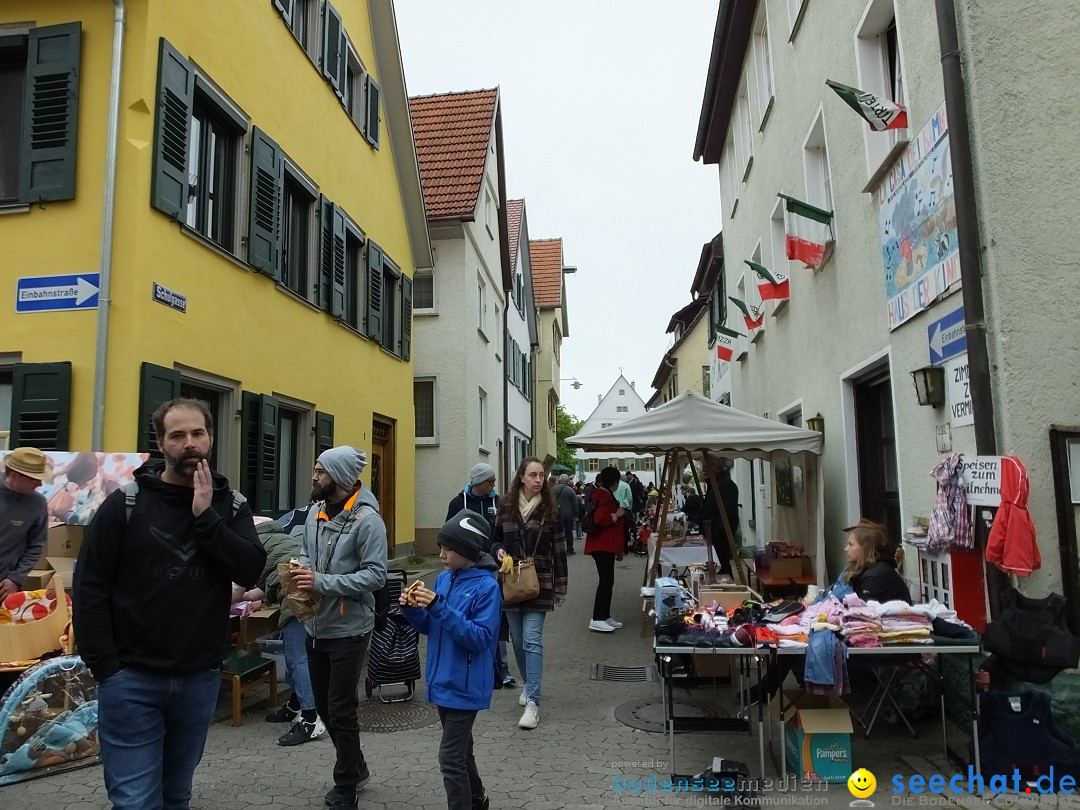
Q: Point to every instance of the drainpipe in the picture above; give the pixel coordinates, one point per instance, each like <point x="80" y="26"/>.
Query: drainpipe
<point x="97" y="433"/>
<point x="967" y="232"/>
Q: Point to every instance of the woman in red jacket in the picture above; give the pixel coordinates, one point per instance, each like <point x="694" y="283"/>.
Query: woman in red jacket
<point x="606" y="546"/>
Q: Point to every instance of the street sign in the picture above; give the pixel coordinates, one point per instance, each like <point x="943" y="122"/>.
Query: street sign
<point x="982" y="474"/>
<point x="947" y="337"/>
<point x="958" y="392"/>
<point x="170" y="298"/>
<point x="51" y="293"/>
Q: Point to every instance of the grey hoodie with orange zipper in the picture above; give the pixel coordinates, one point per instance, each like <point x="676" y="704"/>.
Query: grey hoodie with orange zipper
<point x="348" y="555"/>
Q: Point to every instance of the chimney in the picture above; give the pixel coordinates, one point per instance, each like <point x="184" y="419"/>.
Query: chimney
<point x="633" y="384"/>
<point x="599" y="399"/>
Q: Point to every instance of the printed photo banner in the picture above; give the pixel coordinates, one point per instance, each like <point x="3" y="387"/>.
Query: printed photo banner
<point x="918" y="224"/>
<point x="81" y="481"/>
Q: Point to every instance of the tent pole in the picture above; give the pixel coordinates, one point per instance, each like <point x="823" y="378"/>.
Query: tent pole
<point x="708" y="544"/>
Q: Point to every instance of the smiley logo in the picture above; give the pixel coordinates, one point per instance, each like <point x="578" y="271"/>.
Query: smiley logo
<point x="861" y="783"/>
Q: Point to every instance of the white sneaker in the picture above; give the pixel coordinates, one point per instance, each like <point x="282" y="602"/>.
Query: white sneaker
<point x="531" y="717"/>
<point x="601" y="626"/>
<point x="320" y="729"/>
<point x="521" y="698"/>
<point x="613" y="623"/>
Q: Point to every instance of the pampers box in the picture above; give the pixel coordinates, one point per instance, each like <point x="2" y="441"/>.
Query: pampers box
<point x="817" y="736"/>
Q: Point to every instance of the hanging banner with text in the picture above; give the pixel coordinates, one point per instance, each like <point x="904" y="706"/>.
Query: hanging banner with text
<point x="958" y="392"/>
<point x="983" y="477"/>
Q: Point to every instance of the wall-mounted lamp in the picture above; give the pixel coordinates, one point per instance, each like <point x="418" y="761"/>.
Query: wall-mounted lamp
<point x="569" y="270"/>
<point x="576" y="384"/>
<point x="817" y="424"/>
<point x="930" y="385"/>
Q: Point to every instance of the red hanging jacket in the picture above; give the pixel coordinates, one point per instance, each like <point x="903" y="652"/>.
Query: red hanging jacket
<point x="1011" y="545"/>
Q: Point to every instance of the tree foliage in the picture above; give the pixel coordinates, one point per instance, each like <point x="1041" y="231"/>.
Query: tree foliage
<point x="566" y="425"/>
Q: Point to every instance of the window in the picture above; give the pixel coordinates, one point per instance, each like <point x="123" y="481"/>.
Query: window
<point x="297" y="218"/>
<point x="816" y="167"/>
<point x="778" y="239"/>
<point x="424" y="404"/>
<point x="37" y="154"/>
<point x="605" y="425"/>
<point x="729" y="173"/>
<point x="880" y="71"/>
<point x="796" y="10"/>
<point x="705" y="382"/>
<point x="352" y="96"/>
<point x="621" y="409"/>
<point x="622" y="392"/>
<point x="481" y="304"/>
<point x="355" y="297"/>
<point x="212" y="160"/>
<point x="753" y="295"/>
<point x="553" y="407"/>
<point x="389" y="303"/>
<point x="482" y="418"/>
<point x="423" y="289"/>
<point x="288" y="444"/>
<point x="556" y="337"/>
<point x="211" y="400"/>
<point x="489" y="214"/>
<point x="298" y="16"/>
<point x="649" y="462"/>
<point x="392" y="310"/>
<point x="763" y="67"/>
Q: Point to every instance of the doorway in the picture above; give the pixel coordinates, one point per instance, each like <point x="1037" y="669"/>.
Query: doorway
<point x="875" y="440"/>
<point x="382" y="476"/>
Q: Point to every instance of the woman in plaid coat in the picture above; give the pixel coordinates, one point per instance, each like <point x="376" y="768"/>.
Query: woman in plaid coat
<point x="528" y="525"/>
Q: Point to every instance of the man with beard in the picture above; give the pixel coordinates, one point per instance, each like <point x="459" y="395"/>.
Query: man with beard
<point x="343" y="551"/>
<point x="152" y="585"/>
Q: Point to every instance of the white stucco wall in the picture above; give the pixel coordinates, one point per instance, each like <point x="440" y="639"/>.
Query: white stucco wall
<point x="621" y="394"/>
<point x="449" y="346"/>
<point x="836" y="319"/>
<point x="1027" y="175"/>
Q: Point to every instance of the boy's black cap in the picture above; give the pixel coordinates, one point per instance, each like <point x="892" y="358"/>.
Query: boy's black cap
<point x="466" y="533"/>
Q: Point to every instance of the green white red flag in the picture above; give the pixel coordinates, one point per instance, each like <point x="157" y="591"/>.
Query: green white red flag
<point x="771" y="286"/>
<point x="808" y="231"/>
<point x="725" y="343"/>
<point x="752" y="315"/>
<point x="880" y="113"/>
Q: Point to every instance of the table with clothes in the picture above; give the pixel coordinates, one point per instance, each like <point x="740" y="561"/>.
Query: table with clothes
<point x="769" y="640"/>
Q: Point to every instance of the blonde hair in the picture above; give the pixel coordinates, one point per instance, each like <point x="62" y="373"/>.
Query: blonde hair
<point x="873" y="542"/>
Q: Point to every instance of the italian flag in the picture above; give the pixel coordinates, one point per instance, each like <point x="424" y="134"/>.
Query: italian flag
<point x="771" y="286"/>
<point x="881" y="114"/>
<point x="808" y="231"/>
<point x="725" y="343"/>
<point x="753" y="316"/>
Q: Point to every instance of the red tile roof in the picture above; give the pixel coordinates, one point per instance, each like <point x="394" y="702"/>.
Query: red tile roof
<point x="452" y="133"/>
<point x="513" y="222"/>
<point x="547" y="263"/>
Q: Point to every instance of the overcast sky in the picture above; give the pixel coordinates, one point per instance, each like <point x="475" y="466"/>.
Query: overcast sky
<point x="600" y="103"/>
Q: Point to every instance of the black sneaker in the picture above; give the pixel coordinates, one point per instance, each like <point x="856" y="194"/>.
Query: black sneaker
<point x="284" y="714"/>
<point x="302" y="731"/>
<point x="365" y="776"/>
<point x="481" y="804"/>
<point x="338" y="798"/>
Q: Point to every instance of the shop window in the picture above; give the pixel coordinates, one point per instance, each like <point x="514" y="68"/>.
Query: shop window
<point x="39" y="94"/>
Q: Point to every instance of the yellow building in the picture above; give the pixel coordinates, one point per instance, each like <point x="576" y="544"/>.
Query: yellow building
<point x="685" y="366"/>
<point x="549" y="292"/>
<point x="267" y="223"/>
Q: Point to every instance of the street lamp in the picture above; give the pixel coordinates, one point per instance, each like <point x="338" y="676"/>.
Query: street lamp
<point x="576" y="384"/>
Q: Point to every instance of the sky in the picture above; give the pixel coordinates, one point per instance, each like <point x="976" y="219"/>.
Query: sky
<point x="600" y="104"/>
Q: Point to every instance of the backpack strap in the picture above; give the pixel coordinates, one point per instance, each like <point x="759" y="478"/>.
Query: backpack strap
<point x="130" y="490"/>
<point x="238" y="500"/>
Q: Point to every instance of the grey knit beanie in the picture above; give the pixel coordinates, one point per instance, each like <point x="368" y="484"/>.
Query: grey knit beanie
<point x="344" y="464"/>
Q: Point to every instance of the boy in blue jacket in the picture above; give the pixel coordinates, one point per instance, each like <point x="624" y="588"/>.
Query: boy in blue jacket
<point x="461" y="620"/>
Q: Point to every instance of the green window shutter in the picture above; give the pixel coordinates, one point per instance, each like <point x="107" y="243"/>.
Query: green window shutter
<point x="249" y="447"/>
<point x="41" y="405"/>
<point x="337" y="297"/>
<point x="157" y="385"/>
<point x="50" y="114"/>
<point x="374" y="292"/>
<point x="324" y="432"/>
<point x="371" y="119"/>
<point x="406" y="317"/>
<point x="172" y="126"/>
<point x="332" y="51"/>
<point x="267" y="185"/>
<point x="266" y="485"/>
<point x="506" y="355"/>
<point x="284" y="8"/>
<point x="326" y="253"/>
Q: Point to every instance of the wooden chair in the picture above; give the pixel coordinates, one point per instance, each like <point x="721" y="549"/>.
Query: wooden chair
<point x="243" y="671"/>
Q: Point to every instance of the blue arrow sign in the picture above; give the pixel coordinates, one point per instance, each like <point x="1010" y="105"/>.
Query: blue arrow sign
<point x="947" y="337"/>
<point x="50" y="293"/>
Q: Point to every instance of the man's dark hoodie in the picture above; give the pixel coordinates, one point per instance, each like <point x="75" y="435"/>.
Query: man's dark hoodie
<point x="152" y="591"/>
<point x="486" y="506"/>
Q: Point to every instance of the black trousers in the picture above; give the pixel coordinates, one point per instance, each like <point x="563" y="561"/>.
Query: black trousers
<point x="464" y="789"/>
<point x="335" y="665"/>
<point x="720" y="546"/>
<point x="605" y="572"/>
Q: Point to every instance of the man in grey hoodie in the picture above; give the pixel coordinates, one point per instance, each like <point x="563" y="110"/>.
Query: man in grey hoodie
<point x="344" y="550"/>
<point x="24" y="516"/>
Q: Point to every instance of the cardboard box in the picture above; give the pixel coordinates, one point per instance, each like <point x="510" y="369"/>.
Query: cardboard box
<point x="64" y="541"/>
<point x="727" y="596"/>
<point x="817" y="736"/>
<point x="790" y="567"/>
<point x="37" y="578"/>
<point x="709" y="665"/>
<point x="64" y="566"/>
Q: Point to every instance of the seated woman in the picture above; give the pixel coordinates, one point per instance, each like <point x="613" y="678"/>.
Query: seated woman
<point x="870" y="574"/>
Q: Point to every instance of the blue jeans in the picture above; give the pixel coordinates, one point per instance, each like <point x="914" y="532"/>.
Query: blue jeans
<point x="526" y="633"/>
<point x="152" y="729"/>
<point x="294" y="637"/>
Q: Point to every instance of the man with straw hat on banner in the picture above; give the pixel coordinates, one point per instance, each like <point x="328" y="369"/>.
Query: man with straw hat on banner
<point x="24" y="516"/>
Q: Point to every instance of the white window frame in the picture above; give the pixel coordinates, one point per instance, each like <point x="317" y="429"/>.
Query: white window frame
<point x="296" y="175"/>
<point x="792" y="409"/>
<point x="778" y="237"/>
<point x="433" y="439"/>
<point x="871" y="57"/>
<point x="358" y="113"/>
<point x="763" y="67"/>
<point x="796" y="12"/>
<point x="481" y="306"/>
<point x="745" y="132"/>
<point x="482" y="419"/>
<point x="753" y="297"/>
<point x="816" y="170"/>
<point x="742" y="343"/>
<point x="434" y="308"/>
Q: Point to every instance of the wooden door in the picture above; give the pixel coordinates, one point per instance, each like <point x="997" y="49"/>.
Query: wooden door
<point x="383" y="476"/>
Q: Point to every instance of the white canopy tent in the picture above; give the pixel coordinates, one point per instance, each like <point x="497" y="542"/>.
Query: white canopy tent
<point x="690" y="423"/>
